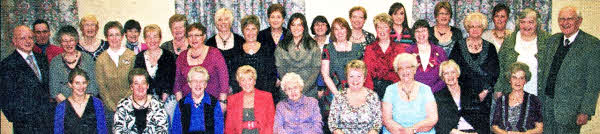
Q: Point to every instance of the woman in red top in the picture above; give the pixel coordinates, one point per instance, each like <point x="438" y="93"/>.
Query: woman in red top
<point x="380" y="54"/>
<point x="251" y="110"/>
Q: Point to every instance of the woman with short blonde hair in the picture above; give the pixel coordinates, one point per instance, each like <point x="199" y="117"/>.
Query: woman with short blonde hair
<point x="89" y="43"/>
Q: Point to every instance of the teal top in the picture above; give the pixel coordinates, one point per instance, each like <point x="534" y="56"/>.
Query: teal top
<point x="408" y="113"/>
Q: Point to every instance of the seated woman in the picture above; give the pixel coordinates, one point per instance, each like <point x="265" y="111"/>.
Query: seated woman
<point x="250" y="111"/>
<point x="140" y="112"/>
<point x="408" y="106"/>
<point x="454" y="103"/>
<point x="356" y="110"/>
<point x="518" y="111"/>
<point x="82" y="113"/>
<point x="198" y="112"/>
<point x="298" y="113"/>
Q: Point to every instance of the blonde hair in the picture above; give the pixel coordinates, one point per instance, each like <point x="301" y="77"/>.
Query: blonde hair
<point x="448" y="63"/>
<point x="224" y="12"/>
<point x="199" y="70"/>
<point x="291" y="78"/>
<point x="404" y="57"/>
<point x="356" y="64"/>
<point x="152" y="28"/>
<point x="477" y="17"/>
<point x="89" y="17"/>
<point x="245" y="70"/>
<point x="383" y="18"/>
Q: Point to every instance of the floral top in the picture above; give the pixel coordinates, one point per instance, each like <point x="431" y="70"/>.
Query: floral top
<point x="355" y="120"/>
<point x="124" y="118"/>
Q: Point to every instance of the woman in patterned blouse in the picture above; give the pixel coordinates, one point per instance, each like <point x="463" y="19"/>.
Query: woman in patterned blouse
<point x="358" y="16"/>
<point x="297" y="113"/>
<point x="356" y="110"/>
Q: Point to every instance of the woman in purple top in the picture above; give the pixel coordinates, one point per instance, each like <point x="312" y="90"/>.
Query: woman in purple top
<point x="429" y="57"/>
<point x="205" y="56"/>
<point x="297" y="113"/>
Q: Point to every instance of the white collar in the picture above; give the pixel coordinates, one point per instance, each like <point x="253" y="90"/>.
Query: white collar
<point x="572" y="38"/>
<point x="24" y="55"/>
<point x="118" y="52"/>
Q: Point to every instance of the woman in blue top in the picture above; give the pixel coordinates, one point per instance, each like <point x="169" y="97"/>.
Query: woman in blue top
<point x="408" y="106"/>
<point x="81" y="113"/>
<point x="197" y="112"/>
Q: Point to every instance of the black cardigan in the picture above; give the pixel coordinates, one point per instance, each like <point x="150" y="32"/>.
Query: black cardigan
<point x="230" y="54"/>
<point x="449" y="114"/>
<point x="165" y="74"/>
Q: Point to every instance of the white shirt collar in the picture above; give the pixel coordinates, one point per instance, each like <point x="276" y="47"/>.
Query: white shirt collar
<point x="572" y="38"/>
<point x="24" y="55"/>
<point x="114" y="56"/>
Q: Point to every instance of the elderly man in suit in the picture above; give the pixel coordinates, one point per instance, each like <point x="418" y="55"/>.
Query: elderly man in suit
<point x="570" y="71"/>
<point x="24" y="94"/>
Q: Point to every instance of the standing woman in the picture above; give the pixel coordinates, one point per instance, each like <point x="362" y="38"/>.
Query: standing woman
<point x="275" y="33"/>
<point x="496" y="36"/>
<point x="82" y="113"/>
<point x="526" y="45"/>
<point x="159" y="63"/>
<point x="379" y="56"/>
<point x="177" y="25"/>
<point x="479" y="64"/>
<point x="358" y="16"/>
<point x="250" y="111"/>
<point x="66" y="62"/>
<point x="140" y="113"/>
<point x="201" y="55"/>
<point x="257" y="55"/>
<point x="408" y="105"/>
<point x="112" y="67"/>
<point x="299" y="53"/>
<point x="337" y="54"/>
<point x="229" y="43"/>
<point x="429" y="57"/>
<point x="442" y="33"/>
<point x="401" y="33"/>
<point x="89" y="43"/>
<point x="356" y="110"/>
<point x="320" y="28"/>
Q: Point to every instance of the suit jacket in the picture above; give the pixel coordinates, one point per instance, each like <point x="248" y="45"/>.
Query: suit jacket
<point x="112" y="80"/>
<point x="508" y="55"/>
<point x="24" y="98"/>
<point x="264" y="112"/>
<point x="577" y="82"/>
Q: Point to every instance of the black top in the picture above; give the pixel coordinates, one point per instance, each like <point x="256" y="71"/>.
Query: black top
<point x="265" y="37"/>
<point x="165" y="74"/>
<point x="84" y="125"/>
<point x="456" y="34"/>
<point x="140" y="118"/>
<point x="101" y="48"/>
<point x="478" y="71"/>
<point x="450" y="115"/>
<point x="264" y="63"/>
<point x="229" y="54"/>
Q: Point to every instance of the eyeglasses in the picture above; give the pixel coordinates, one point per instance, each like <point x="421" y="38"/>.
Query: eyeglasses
<point x="568" y="19"/>
<point x="195" y="35"/>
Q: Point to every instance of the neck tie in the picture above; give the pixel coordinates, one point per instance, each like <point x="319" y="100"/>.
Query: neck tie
<point x="34" y="67"/>
<point x="567" y="43"/>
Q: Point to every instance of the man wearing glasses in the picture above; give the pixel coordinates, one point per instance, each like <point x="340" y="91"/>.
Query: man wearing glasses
<point x="41" y="32"/>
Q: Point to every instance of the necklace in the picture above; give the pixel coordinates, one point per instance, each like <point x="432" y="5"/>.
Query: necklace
<point x="356" y="38"/>
<point x="224" y="40"/>
<point x="197" y="56"/>
<point x="407" y="90"/>
<point x="141" y="106"/>
<point x="80" y="103"/>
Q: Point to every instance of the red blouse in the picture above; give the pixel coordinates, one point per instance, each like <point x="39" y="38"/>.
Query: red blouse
<point x="380" y="64"/>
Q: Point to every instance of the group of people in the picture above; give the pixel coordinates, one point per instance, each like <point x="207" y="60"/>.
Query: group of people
<point x="424" y="79"/>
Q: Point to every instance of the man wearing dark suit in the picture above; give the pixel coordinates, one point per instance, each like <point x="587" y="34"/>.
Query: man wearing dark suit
<point x="24" y="94"/>
<point x="570" y="76"/>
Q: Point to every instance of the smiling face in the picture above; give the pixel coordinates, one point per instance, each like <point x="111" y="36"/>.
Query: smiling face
<point x="398" y="16"/>
<point x="527" y="25"/>
<point x="79" y="85"/>
<point x="293" y="91"/>
<point x="197" y="84"/>
<point x="114" y="37"/>
<point x="518" y="80"/>
<point x="569" y="21"/>
<point x="68" y="43"/>
<point x="196" y="38"/>
<point x="340" y="32"/>
<point x="475" y="29"/>
<point x="152" y="40"/>
<point x="320" y="28"/>
<point x="23" y="39"/>
<point x="383" y="30"/>
<point x="90" y="28"/>
<point x="297" y="28"/>
<point x="357" y="18"/>
<point x="450" y="75"/>
<point x="500" y="19"/>
<point x="178" y="29"/>
<point x="139" y="86"/>
<point x="42" y="34"/>
<point x="406" y="71"/>
<point x="422" y="35"/>
<point x="223" y="24"/>
<point x="250" y="32"/>
<point x="276" y="20"/>
<point x="443" y="17"/>
<point x="246" y="82"/>
<point x="356" y="78"/>
<point x="132" y="35"/>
